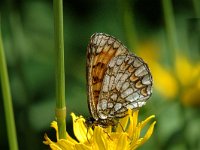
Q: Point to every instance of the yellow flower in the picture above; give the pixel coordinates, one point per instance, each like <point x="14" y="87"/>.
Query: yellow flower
<point x="164" y="81"/>
<point x="188" y="74"/>
<point x="186" y="71"/>
<point x="125" y="137"/>
<point x="181" y="80"/>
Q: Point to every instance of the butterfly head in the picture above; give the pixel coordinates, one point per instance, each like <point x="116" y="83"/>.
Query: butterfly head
<point x="91" y="122"/>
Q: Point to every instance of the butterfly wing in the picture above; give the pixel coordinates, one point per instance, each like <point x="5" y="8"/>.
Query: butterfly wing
<point x="127" y="83"/>
<point x="101" y="49"/>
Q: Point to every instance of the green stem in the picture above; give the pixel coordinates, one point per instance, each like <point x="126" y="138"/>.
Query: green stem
<point x="60" y="71"/>
<point x="129" y="25"/>
<point x="10" y="121"/>
<point x="170" y="27"/>
<point x="196" y="6"/>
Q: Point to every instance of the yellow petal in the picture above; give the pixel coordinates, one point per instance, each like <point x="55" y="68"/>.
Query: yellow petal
<point x="133" y="122"/>
<point x="104" y="138"/>
<point x="122" y="124"/>
<point x="143" y="123"/>
<point x="135" y="117"/>
<point x="65" y="144"/>
<point x="69" y="138"/>
<point x="81" y="146"/>
<point x="60" y="144"/>
<point x="55" y="147"/>
<point x="135" y="144"/>
<point x="80" y="131"/>
<point x="109" y="129"/>
<point x="123" y="142"/>
<point x="99" y="139"/>
<point x="55" y="126"/>
<point x="137" y="131"/>
<point x="148" y="134"/>
<point x="48" y="141"/>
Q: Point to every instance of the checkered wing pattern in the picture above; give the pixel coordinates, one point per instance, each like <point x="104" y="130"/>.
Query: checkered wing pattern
<point x="117" y="79"/>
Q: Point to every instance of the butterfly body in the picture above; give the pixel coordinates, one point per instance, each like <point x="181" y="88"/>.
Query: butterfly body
<point x="117" y="80"/>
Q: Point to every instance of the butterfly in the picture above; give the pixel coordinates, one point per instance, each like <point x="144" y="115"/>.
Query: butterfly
<point x="117" y="80"/>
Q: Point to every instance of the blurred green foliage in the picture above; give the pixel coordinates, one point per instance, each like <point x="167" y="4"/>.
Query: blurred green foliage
<point x="27" y="28"/>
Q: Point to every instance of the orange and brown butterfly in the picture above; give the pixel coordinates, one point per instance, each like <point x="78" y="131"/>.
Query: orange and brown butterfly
<point x="117" y="80"/>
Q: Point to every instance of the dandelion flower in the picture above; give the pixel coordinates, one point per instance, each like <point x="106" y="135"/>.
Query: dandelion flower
<point x="126" y="135"/>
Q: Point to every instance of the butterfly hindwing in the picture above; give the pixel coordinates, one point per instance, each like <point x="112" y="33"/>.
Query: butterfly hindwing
<point x="127" y="84"/>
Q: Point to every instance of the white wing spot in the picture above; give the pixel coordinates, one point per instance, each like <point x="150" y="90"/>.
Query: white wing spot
<point x="132" y="105"/>
<point x="140" y="104"/>
<point x="120" y="60"/>
<point x="102" y="116"/>
<point x="127" y="92"/>
<point x="114" y="96"/>
<point x="95" y="40"/>
<point x="125" y="86"/>
<point x="116" y="44"/>
<point x="106" y="83"/>
<point x="133" y="97"/>
<point x="112" y="62"/>
<point x="110" y="105"/>
<point x="103" y="104"/>
<point x="146" y="80"/>
<point x="103" y="42"/>
<point x="111" y="40"/>
<point x="141" y="71"/>
<point x="118" y="77"/>
<point x="112" y="78"/>
<point x="99" y="49"/>
<point x="137" y="63"/>
<point x="149" y="90"/>
<point x="117" y="106"/>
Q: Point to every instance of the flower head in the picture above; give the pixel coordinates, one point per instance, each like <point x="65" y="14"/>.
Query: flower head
<point x="126" y="135"/>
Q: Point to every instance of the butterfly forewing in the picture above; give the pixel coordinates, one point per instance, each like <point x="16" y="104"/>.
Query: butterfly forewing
<point x="101" y="49"/>
<point x="117" y="79"/>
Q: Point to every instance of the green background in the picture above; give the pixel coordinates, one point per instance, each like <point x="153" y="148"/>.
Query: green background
<point x="28" y="36"/>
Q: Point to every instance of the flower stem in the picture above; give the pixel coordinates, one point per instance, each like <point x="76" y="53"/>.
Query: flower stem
<point x="170" y="26"/>
<point x="129" y="25"/>
<point x="60" y="111"/>
<point x="10" y="121"/>
<point x="196" y="6"/>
